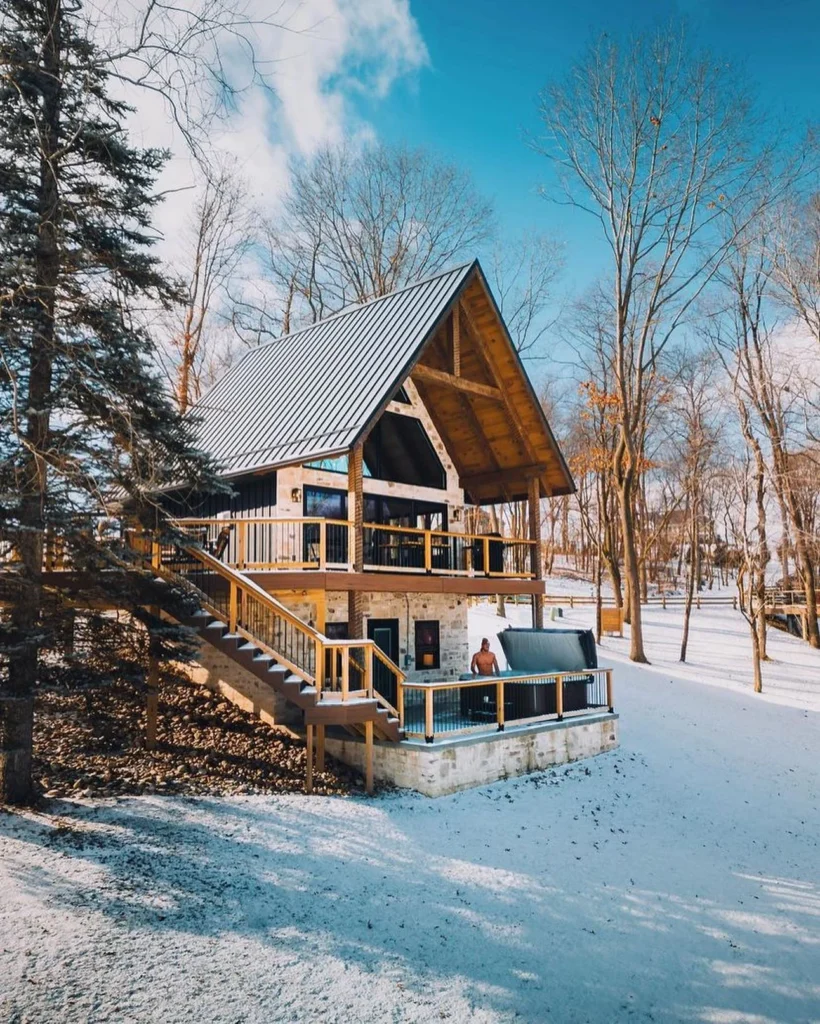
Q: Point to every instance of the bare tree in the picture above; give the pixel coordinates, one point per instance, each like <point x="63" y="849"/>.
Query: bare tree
<point x="198" y="56"/>
<point x="656" y="143"/>
<point x="742" y="487"/>
<point x="768" y="387"/>
<point x="695" y="409"/>
<point x="219" y="236"/>
<point x="357" y="224"/>
<point x="523" y="274"/>
<point x="796" y="250"/>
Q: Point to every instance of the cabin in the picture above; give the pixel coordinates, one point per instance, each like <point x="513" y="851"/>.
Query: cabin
<point x="365" y="453"/>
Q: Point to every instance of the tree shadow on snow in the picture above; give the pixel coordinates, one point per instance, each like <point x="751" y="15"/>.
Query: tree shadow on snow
<point x="533" y="927"/>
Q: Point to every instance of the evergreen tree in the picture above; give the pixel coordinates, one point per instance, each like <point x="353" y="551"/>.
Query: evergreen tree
<point x="83" y="414"/>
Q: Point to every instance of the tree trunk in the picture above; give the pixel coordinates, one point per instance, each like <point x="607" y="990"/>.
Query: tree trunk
<point x="631" y="571"/>
<point x="690" y="583"/>
<point x="17" y="696"/>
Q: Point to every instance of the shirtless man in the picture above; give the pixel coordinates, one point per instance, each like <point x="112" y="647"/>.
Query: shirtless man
<point x="484" y="662"/>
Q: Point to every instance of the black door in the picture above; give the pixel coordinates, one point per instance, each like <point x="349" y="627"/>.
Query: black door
<point x="385" y="634"/>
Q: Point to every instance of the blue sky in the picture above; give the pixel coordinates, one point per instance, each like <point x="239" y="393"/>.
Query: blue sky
<point x="489" y="59"/>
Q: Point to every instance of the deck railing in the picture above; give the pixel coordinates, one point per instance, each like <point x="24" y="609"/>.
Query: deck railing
<point x="327" y="544"/>
<point x="489" y="703"/>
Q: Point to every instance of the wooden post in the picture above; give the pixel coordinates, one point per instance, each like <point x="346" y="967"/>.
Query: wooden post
<point x="609" y="694"/>
<point x="400" y="701"/>
<point x="322" y="543"/>
<point x="345" y="672"/>
<point x="309" y="755"/>
<point x="428" y="715"/>
<point x="367" y="657"/>
<point x="368" y="754"/>
<point x="428" y="550"/>
<point x="319" y="669"/>
<point x="152" y="701"/>
<point x="499" y="704"/>
<point x="355" y="512"/>
<point x="559" y="696"/>
<point x="320" y="748"/>
<point x="156" y="554"/>
<point x="456" y="340"/>
<point x="485" y="543"/>
<point x="232" y="607"/>
<point x="320" y="600"/>
<point x="241" y="543"/>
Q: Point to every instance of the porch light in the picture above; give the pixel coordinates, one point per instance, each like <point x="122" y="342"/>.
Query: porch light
<point x="456" y="515"/>
<point x="296" y="494"/>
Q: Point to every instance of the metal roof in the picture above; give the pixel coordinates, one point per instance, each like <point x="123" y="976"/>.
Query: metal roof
<point x="312" y="393"/>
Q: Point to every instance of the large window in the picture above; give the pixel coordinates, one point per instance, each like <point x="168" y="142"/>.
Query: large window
<point x="325" y="503"/>
<point x="399" y="449"/>
<point x="428" y="646"/>
<point x="389" y="511"/>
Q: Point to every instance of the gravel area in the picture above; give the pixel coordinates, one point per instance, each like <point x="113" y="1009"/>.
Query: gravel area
<point x="89" y="741"/>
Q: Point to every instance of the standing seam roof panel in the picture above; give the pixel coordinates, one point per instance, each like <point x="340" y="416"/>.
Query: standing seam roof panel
<point x="313" y="392"/>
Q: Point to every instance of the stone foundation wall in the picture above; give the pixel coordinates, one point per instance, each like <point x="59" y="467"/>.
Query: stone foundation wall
<point x="450" y="610"/>
<point x="448" y="766"/>
<point x="221" y="674"/>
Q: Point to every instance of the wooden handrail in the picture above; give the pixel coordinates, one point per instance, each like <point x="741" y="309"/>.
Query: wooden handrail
<point x="240" y="584"/>
<point x="417" y="530"/>
<point x="458" y="684"/>
<point x="428" y="689"/>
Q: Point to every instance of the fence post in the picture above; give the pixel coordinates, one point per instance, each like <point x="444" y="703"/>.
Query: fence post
<point x="322" y="543"/>
<point x="609" y="693"/>
<point x="156" y="554"/>
<point x="400" y="700"/>
<point x="499" y="704"/>
<point x="428" y="715"/>
<point x="559" y="696"/>
<point x="428" y="551"/>
<point x="486" y="548"/>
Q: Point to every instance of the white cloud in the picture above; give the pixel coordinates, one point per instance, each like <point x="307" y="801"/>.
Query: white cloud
<point x="324" y="55"/>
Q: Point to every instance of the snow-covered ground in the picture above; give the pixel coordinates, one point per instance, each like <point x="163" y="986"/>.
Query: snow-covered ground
<point x="676" y="879"/>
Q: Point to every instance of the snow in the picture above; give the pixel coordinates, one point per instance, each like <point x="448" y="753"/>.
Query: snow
<point x="675" y="879"/>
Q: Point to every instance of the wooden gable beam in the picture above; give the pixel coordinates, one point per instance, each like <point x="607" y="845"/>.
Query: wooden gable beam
<point x="431" y="376"/>
<point x="512" y="412"/>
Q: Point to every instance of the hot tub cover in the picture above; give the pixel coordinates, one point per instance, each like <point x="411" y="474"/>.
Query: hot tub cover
<point x="549" y="650"/>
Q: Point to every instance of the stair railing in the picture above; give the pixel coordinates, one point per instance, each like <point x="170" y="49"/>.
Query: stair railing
<point x="251" y="612"/>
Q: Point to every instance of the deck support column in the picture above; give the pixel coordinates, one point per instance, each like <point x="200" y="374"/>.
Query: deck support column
<point x="320" y="748"/>
<point x="368" y="747"/>
<point x="535" y="535"/>
<point x="152" y="702"/>
<point x="309" y="755"/>
<point x="355" y="512"/>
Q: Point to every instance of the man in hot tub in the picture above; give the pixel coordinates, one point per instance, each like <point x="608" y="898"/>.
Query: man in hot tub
<point x="484" y="662"/>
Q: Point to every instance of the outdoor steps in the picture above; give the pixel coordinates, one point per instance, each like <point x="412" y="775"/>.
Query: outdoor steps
<point x="353" y="713"/>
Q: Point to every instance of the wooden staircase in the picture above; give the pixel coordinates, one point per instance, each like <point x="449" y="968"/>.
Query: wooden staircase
<point x="330" y="680"/>
<point x="319" y="706"/>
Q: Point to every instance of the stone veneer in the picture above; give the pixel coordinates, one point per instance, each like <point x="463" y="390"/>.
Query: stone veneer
<point x="446" y="766"/>
<point x="449" y="610"/>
